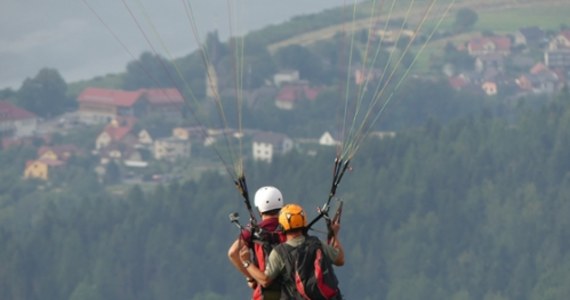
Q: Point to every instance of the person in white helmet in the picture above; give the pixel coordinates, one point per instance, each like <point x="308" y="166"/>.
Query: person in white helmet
<point x="268" y="200"/>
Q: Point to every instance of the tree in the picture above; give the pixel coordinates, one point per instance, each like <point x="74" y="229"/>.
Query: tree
<point x="112" y="173"/>
<point x="193" y="71"/>
<point x="258" y="64"/>
<point x="7" y="93"/>
<point x="45" y="94"/>
<point x="465" y="19"/>
<point x="150" y="71"/>
<point x="300" y="58"/>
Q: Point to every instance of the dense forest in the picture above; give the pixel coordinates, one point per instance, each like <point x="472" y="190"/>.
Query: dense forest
<point x="474" y="208"/>
<point x="468" y="201"/>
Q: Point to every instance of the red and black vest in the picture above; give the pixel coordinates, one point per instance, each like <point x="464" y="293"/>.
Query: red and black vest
<point x="309" y="273"/>
<point x="262" y="243"/>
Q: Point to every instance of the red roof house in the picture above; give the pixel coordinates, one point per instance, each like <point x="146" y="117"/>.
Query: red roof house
<point x="290" y="94"/>
<point x="109" y="97"/>
<point x="97" y="105"/>
<point x="488" y="45"/>
<point x="16" y="121"/>
<point x="166" y="102"/>
<point x="118" y="130"/>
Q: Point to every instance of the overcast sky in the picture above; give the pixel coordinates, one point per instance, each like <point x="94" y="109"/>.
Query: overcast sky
<point x="68" y="36"/>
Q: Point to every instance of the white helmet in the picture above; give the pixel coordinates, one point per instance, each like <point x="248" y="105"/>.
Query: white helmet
<point x="268" y="198"/>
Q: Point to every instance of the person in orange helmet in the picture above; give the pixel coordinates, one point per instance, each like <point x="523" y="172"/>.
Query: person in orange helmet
<point x="282" y="265"/>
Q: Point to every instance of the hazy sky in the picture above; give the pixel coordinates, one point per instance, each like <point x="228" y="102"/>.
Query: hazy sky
<point x="68" y="36"/>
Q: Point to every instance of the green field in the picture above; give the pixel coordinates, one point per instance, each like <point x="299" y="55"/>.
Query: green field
<point x="548" y="17"/>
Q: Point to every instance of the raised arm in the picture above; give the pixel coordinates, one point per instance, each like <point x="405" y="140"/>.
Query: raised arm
<point x="234" y="256"/>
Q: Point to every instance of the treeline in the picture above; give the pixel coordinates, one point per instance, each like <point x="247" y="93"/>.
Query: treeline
<point x="474" y="209"/>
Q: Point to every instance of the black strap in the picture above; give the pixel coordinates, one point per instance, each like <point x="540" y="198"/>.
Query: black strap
<point x="340" y="167"/>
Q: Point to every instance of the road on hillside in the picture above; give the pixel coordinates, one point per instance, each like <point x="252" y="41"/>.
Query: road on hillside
<point x="329" y="32"/>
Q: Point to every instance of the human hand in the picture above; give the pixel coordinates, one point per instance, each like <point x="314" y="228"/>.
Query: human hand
<point x="335" y="227"/>
<point x="252" y="284"/>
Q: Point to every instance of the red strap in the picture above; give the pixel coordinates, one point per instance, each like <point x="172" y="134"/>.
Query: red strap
<point x="300" y="287"/>
<point x="260" y="255"/>
<point x="325" y="290"/>
<point x="257" y="294"/>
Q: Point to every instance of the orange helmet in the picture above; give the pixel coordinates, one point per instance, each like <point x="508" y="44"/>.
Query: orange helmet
<point x="292" y="217"/>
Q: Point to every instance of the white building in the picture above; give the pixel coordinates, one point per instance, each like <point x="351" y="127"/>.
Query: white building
<point x="268" y="144"/>
<point x="285" y="77"/>
<point x="171" y="148"/>
<point x="327" y="139"/>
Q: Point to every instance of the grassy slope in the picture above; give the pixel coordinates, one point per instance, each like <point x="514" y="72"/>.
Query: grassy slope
<point x="496" y="15"/>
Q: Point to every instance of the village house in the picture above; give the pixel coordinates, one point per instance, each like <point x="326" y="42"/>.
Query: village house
<point x="489" y="45"/>
<point x="127" y="154"/>
<point x="189" y="133"/>
<point x="268" y="144"/>
<point x="49" y="158"/>
<point x="490" y="88"/>
<point x="147" y="137"/>
<point x="363" y="75"/>
<point x="119" y="152"/>
<point x="41" y="168"/>
<point x="133" y="156"/>
<point x="492" y="53"/>
<point x="490" y="61"/>
<point x="557" y="56"/>
<point x="285" y="76"/>
<point x="16" y="122"/>
<point x="292" y="93"/>
<point x="168" y="103"/>
<point x="111" y="152"/>
<point x="560" y="41"/>
<point x="57" y="152"/>
<point x="327" y="139"/>
<point x="458" y="82"/>
<point x="119" y="130"/>
<point x="539" y="80"/>
<point x="98" y="105"/>
<point x="171" y="148"/>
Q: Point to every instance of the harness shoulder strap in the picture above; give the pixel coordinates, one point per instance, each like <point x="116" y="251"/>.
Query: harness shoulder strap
<point x="288" y="288"/>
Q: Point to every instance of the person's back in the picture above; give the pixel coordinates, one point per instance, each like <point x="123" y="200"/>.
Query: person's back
<point x="264" y="242"/>
<point x="308" y="265"/>
<point x="291" y="263"/>
<point x="261" y="240"/>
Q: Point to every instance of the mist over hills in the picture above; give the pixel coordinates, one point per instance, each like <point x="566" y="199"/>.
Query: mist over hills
<point x="69" y="37"/>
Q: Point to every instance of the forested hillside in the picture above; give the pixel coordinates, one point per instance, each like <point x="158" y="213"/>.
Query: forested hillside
<point x="474" y="209"/>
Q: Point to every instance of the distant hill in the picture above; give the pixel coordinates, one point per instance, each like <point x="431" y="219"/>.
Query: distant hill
<point x="328" y="32"/>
